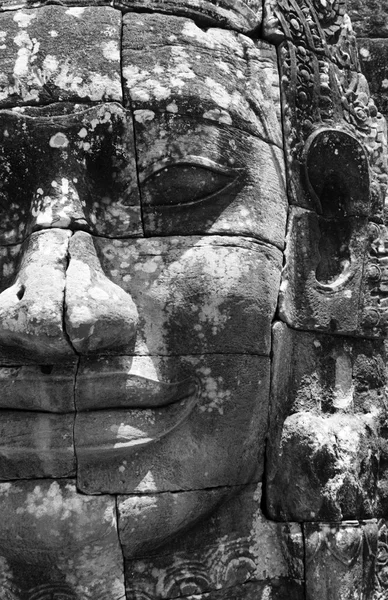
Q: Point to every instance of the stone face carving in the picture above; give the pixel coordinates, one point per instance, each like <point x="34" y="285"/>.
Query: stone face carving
<point x="143" y="214"/>
<point x="192" y="303"/>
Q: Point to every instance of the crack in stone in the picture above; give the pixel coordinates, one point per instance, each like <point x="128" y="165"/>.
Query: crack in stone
<point x="64" y="308"/>
<point x="120" y="544"/>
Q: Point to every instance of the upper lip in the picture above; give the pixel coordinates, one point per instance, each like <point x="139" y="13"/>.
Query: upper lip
<point x="122" y="390"/>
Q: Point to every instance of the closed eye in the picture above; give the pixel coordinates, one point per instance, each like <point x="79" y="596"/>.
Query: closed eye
<point x="187" y="182"/>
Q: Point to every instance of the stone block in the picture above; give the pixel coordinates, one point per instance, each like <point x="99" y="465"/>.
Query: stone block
<point x="241" y="15"/>
<point x="341" y="560"/>
<point x="327" y="452"/>
<point x="36" y="444"/>
<point x="197" y="177"/>
<point x="322" y="279"/>
<point x="213" y="294"/>
<point x="215" y="75"/>
<point x="234" y="547"/>
<point x="55" y="542"/>
<point x="149" y="523"/>
<point x="36" y="66"/>
<point x="209" y="438"/>
<point x="43" y="388"/>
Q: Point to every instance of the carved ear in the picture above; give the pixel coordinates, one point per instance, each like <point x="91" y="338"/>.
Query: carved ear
<point x="337" y="174"/>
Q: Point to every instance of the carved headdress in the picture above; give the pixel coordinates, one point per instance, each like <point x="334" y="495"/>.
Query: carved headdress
<point x="335" y="145"/>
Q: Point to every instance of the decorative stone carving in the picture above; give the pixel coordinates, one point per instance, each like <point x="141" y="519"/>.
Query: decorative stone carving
<point x="340" y="559"/>
<point x="235" y="550"/>
<point x="143" y="215"/>
<point x="166" y="346"/>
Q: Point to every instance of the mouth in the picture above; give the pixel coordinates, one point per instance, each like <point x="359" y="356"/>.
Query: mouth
<point x="140" y="411"/>
<point x="112" y="412"/>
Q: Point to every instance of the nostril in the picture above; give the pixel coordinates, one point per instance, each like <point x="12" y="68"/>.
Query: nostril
<point x="21" y="291"/>
<point x="46" y="369"/>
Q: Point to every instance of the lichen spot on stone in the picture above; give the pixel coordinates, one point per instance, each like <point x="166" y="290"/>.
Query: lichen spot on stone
<point x="111" y="51"/>
<point x="365" y="53"/>
<point x="23" y="19"/>
<point x="76" y="11"/>
<point x="192" y="31"/>
<point x="172" y="107"/>
<point x="59" y="140"/>
<point x="142" y="116"/>
<point x="50" y="63"/>
<point x="5" y="488"/>
<point x="219" y="115"/>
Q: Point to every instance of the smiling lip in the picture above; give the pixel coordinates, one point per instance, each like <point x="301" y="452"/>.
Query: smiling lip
<point x="96" y="391"/>
<point x="142" y="411"/>
<point x="109" y="425"/>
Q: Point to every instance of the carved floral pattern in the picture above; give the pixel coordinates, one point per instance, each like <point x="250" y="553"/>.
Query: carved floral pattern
<point x="381" y="573"/>
<point x="226" y="565"/>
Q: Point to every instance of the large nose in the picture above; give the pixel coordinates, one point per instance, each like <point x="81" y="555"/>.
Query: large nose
<point x="61" y="302"/>
<point x="31" y="310"/>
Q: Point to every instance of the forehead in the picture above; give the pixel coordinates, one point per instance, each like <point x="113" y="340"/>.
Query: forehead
<point x="158" y="62"/>
<point x="204" y="96"/>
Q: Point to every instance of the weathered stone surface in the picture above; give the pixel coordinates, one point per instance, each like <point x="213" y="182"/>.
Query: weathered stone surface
<point x="36" y="444"/>
<point x="72" y="168"/>
<point x="276" y="589"/>
<point x="187" y="290"/>
<point x="374" y="59"/>
<point x="180" y="446"/>
<point x="196" y="177"/>
<point x="341" y="560"/>
<point x="55" y="542"/>
<point x="45" y="387"/>
<point x="235" y="546"/>
<point x="30" y="4"/>
<point x="329" y="467"/>
<point x="242" y="15"/>
<point x="37" y="67"/>
<point x="31" y="310"/>
<point x="369" y="19"/>
<point x="327" y="450"/>
<point x="148" y="522"/>
<point x="322" y="279"/>
<point x="217" y="75"/>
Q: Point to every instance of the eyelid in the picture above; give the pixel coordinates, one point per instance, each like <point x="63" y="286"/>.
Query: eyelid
<point x="190" y="160"/>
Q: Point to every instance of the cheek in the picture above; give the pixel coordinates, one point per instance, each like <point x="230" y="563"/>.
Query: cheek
<point x="211" y="294"/>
